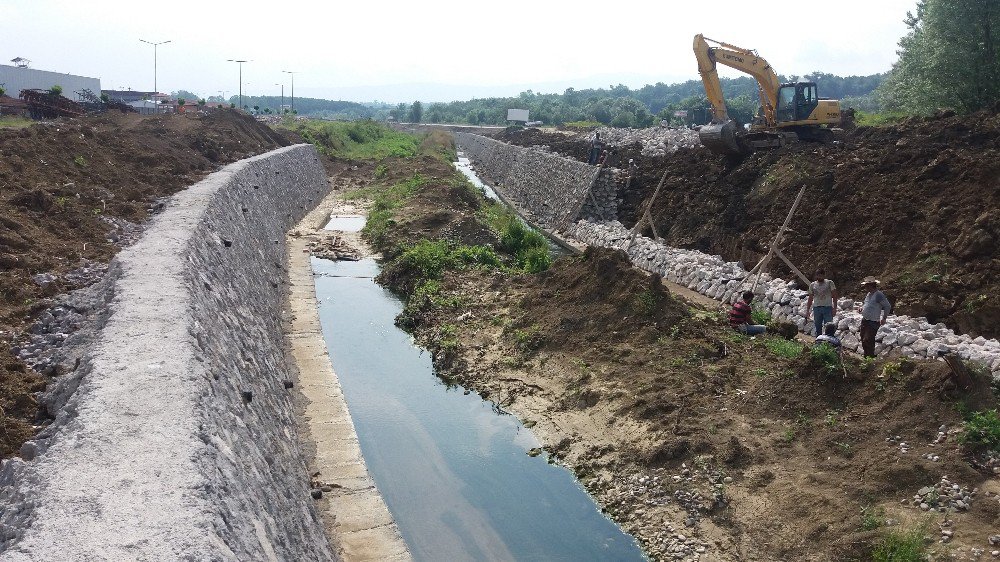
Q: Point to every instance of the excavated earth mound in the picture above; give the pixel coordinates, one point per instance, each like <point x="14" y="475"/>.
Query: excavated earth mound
<point x="916" y="204"/>
<point x="72" y="192"/>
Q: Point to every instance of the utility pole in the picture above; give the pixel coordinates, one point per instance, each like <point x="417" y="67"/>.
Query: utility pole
<point x="292" y="72"/>
<point x="282" y="106"/>
<point x="156" y="89"/>
<point x="240" y="62"/>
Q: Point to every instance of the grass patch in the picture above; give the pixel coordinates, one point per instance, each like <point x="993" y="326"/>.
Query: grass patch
<point x="827" y="357"/>
<point x="982" y="431"/>
<point x="783" y="348"/>
<point x="901" y="546"/>
<point x="15" y="122"/>
<point x="430" y="258"/>
<point x="582" y="124"/>
<point x="527" y="245"/>
<point x="866" y="119"/>
<point x="760" y="315"/>
<point x="385" y="201"/>
<point x="358" y="140"/>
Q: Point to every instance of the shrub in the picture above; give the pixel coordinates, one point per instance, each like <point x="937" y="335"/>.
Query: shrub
<point x="826" y="355"/>
<point x="982" y="430"/>
<point x="181" y="101"/>
<point x="56" y="90"/>
<point x="907" y="546"/>
<point x="527" y="245"/>
<point x="760" y="315"/>
<point x="535" y="260"/>
<point x="784" y="348"/>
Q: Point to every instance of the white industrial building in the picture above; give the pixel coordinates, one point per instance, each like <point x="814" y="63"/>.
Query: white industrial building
<point x="13" y="79"/>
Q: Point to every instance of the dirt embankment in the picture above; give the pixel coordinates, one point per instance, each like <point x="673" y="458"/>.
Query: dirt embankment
<point x="914" y="204"/>
<point x="72" y="192"/>
<point x="693" y="437"/>
<point x="700" y="442"/>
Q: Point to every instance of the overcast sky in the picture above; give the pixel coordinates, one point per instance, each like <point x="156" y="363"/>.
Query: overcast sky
<point x="436" y="50"/>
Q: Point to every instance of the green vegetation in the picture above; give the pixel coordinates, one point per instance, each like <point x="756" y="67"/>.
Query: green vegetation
<point x="826" y="355"/>
<point x="56" y="90"/>
<point x="647" y="303"/>
<point x="947" y="60"/>
<point x="525" y="244"/>
<point x="80" y="161"/>
<point x="872" y="518"/>
<point x="901" y="546"/>
<point x="982" y="430"/>
<point x="385" y="201"/>
<point x="783" y="348"/>
<point x="430" y="258"/>
<point x="14" y="122"/>
<point x="760" y="315"/>
<point x="866" y="119"/>
<point x="622" y="106"/>
<point x="357" y="140"/>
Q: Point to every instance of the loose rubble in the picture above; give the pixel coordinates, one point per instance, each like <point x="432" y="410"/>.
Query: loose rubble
<point x="655" y="141"/>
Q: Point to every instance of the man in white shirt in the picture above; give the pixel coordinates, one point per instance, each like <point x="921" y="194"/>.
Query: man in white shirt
<point x="822" y="301"/>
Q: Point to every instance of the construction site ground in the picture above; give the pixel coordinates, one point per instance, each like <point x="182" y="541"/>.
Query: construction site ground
<point x="703" y="443"/>
<point x="915" y="204"/>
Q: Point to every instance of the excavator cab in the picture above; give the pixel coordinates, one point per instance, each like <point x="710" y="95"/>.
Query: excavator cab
<point x="796" y="102"/>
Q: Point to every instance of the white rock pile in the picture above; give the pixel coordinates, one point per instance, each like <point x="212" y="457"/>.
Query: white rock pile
<point x="655" y="141"/>
<point x="716" y="278"/>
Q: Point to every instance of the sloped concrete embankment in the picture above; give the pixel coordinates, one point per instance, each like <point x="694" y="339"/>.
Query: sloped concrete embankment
<point x="542" y="185"/>
<point x="550" y="189"/>
<point x="180" y="441"/>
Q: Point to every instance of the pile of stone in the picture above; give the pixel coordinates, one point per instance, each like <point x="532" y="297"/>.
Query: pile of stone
<point x="944" y="496"/>
<point x="655" y="141"/>
<point x="716" y="278"/>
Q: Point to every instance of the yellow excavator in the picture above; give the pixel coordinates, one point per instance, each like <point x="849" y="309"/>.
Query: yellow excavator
<point x="789" y="112"/>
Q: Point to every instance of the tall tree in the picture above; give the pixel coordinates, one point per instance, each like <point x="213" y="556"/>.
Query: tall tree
<point x="949" y="58"/>
<point x="416" y="112"/>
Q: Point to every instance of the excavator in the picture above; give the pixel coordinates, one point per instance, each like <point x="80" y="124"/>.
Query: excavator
<point x="789" y="112"/>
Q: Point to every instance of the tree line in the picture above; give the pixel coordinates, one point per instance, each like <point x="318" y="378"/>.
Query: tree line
<point x="621" y="106"/>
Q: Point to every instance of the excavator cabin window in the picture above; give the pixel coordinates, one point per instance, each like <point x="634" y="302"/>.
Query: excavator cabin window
<point x="796" y="102"/>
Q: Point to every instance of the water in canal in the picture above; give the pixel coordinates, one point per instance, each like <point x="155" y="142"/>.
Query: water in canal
<point x="454" y="472"/>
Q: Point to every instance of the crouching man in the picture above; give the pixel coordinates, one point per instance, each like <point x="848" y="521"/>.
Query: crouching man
<point x="739" y="316"/>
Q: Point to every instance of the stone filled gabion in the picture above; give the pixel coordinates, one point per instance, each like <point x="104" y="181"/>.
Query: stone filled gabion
<point x="655" y="141"/>
<point x="719" y="279"/>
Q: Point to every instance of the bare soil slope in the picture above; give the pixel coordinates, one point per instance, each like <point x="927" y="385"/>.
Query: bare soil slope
<point x="72" y="191"/>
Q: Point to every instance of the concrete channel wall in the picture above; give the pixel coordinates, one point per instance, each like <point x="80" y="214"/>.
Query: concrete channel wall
<point x="180" y="441"/>
<point x="555" y="190"/>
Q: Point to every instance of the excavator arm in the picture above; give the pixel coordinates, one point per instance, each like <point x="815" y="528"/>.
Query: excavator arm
<point x="744" y="60"/>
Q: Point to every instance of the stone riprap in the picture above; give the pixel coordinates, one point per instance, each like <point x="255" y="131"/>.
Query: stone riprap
<point x="716" y="278"/>
<point x="549" y="188"/>
<point x="180" y="440"/>
<point x="655" y="141"/>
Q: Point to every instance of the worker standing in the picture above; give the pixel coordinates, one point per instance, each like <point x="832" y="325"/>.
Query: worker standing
<point x="596" y="147"/>
<point x="822" y="301"/>
<point x="874" y="311"/>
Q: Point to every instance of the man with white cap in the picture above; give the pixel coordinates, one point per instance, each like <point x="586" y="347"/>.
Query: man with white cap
<point x="874" y="310"/>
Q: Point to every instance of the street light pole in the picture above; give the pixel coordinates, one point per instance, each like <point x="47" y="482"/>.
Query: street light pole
<point x="292" y="72"/>
<point x="156" y="88"/>
<point x="240" y="62"/>
<point x="282" y="106"/>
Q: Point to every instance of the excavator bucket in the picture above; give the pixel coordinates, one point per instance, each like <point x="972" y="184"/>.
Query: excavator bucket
<point x="724" y="138"/>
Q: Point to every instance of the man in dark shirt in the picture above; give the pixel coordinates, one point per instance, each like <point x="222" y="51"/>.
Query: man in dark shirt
<point x="739" y="316"/>
<point x="596" y="147"/>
